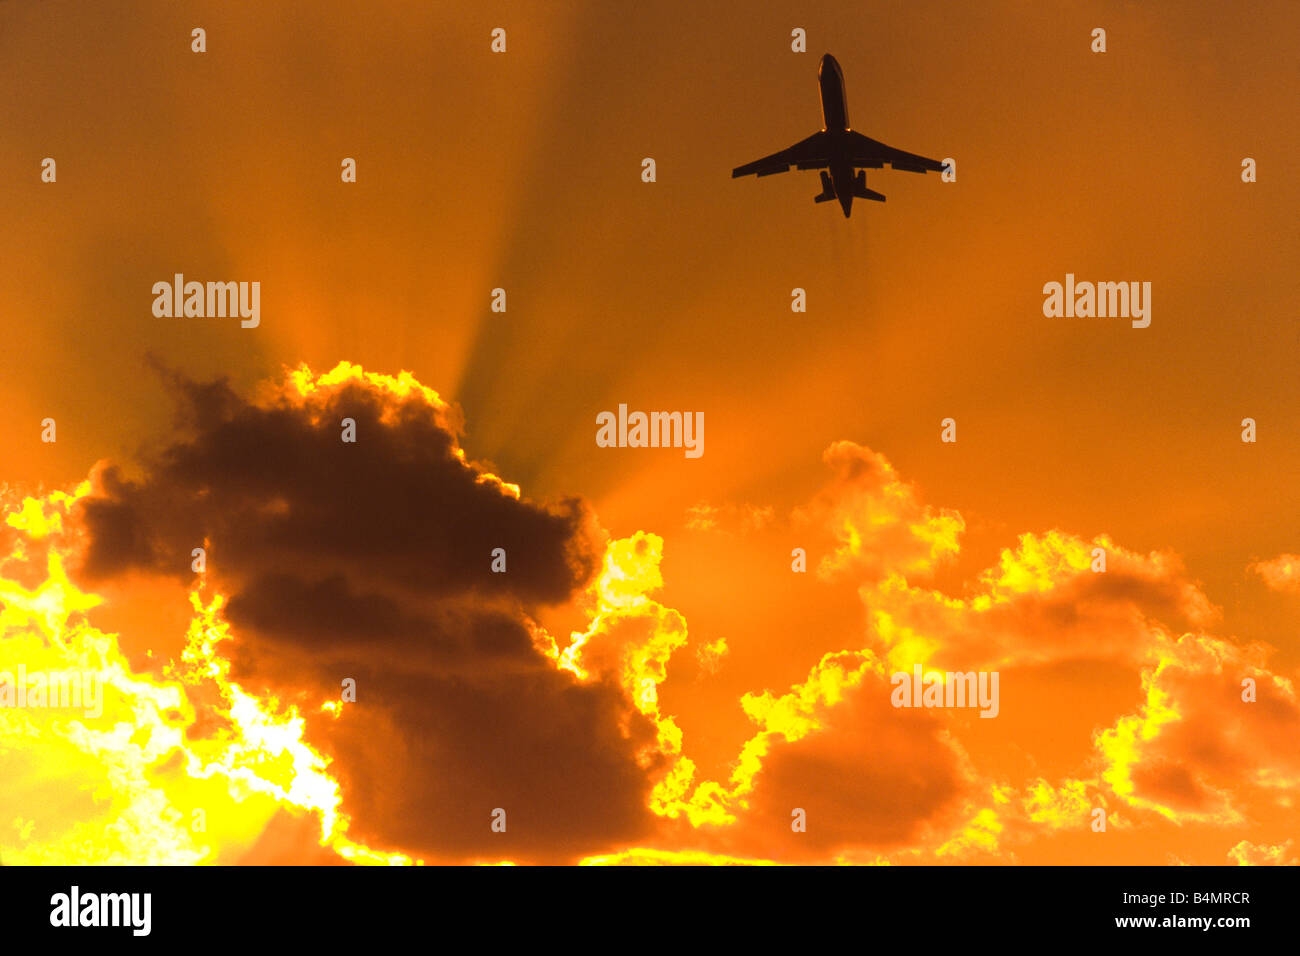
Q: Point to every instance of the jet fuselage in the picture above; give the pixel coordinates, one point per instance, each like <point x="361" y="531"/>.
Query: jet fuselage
<point x="835" y="118"/>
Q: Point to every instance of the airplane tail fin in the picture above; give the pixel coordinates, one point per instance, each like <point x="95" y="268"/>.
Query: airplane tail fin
<point x="860" y="189"/>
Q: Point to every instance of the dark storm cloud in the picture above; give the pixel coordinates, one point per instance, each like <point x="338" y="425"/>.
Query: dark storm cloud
<point x="451" y="749"/>
<point x="329" y="613"/>
<point x="276" y="489"/>
<point x="371" y="561"/>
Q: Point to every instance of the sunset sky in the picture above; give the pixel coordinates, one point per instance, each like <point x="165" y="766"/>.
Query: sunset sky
<point x="649" y="681"/>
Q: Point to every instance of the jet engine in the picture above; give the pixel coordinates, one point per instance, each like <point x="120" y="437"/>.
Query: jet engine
<point x="828" y="188"/>
<point x="860" y="187"/>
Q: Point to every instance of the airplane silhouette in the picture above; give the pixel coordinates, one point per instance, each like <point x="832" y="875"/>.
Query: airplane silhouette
<point x="837" y="150"/>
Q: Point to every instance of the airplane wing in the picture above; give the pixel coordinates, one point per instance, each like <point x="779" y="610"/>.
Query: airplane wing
<point x="872" y="154"/>
<point x="808" y="153"/>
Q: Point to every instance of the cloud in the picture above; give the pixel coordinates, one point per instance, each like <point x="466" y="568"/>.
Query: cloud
<point x="1042" y="603"/>
<point x="273" y="487"/>
<point x="878" y="521"/>
<point x="914" y="785"/>
<point x="1246" y="853"/>
<point x="867" y="775"/>
<point x="371" y="561"/>
<point x="1196" y="749"/>
<point x="728" y="518"/>
<point x="1115" y="690"/>
<point x="1281" y="573"/>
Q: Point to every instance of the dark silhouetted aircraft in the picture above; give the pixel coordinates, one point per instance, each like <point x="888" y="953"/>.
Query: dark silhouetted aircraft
<point x="838" y="150"/>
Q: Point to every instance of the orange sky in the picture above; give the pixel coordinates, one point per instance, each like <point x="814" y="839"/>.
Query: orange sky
<point x="478" y="170"/>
